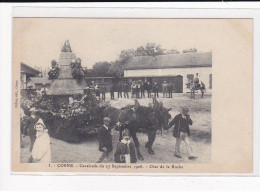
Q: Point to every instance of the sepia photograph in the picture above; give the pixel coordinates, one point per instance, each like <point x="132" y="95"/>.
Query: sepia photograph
<point x="131" y="91"/>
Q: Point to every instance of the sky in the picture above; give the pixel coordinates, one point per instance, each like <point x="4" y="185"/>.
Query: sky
<point x="94" y="40"/>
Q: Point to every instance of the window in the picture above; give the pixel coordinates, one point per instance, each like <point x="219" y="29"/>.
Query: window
<point x="190" y="78"/>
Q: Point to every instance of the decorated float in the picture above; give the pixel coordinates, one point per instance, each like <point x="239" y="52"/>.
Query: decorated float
<point x="69" y="109"/>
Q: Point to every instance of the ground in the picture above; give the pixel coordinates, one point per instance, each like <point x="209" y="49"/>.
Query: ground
<point x="87" y="151"/>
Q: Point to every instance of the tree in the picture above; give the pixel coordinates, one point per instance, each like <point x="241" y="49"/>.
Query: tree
<point x="172" y="51"/>
<point x="116" y="69"/>
<point x="152" y="49"/>
<point x="125" y="55"/>
<point x="140" y="51"/>
<point x="190" y="50"/>
<point x="101" y="68"/>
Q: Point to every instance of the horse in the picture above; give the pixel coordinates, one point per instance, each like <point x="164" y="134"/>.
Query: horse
<point x="195" y="87"/>
<point x="138" y="118"/>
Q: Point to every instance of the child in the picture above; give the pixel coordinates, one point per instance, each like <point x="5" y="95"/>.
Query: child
<point x="125" y="150"/>
<point x="105" y="139"/>
<point x="41" y="152"/>
<point x="30" y="123"/>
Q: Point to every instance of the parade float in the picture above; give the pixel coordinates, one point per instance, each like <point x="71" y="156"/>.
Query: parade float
<point x="69" y="109"/>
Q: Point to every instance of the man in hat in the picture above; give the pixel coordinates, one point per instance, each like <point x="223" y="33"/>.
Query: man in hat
<point x="149" y="88"/>
<point x="156" y="90"/>
<point x="112" y="91"/>
<point x="125" y="150"/>
<point x="133" y="89"/>
<point x="142" y="89"/>
<point x="125" y="90"/>
<point x="103" y="92"/>
<point x="105" y="139"/>
<point x="30" y="126"/>
<point x="164" y="89"/>
<point x="171" y="87"/>
<point x="181" y="132"/>
<point x="119" y="90"/>
<point x="197" y="81"/>
<point x="138" y="89"/>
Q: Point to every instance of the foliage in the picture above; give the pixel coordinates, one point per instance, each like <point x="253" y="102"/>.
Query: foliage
<point x="100" y="69"/>
<point x="68" y="118"/>
<point x="172" y="51"/>
<point x="190" y="50"/>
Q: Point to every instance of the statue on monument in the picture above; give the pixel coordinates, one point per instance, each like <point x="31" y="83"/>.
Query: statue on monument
<point x="77" y="70"/>
<point x="66" y="47"/>
<point x="54" y="72"/>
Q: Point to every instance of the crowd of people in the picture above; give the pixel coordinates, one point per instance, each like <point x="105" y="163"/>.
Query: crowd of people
<point x="135" y="89"/>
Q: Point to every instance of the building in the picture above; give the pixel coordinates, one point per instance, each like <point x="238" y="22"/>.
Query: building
<point x="178" y="68"/>
<point x="26" y="73"/>
<point x="37" y="83"/>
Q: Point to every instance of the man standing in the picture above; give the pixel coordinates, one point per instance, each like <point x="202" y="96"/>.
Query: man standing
<point x="105" y="139"/>
<point x="133" y="89"/>
<point x="142" y="90"/>
<point x="181" y="132"/>
<point x="138" y="89"/>
<point x="170" y="89"/>
<point x="125" y="90"/>
<point x="112" y="91"/>
<point x="156" y="90"/>
<point x="119" y="90"/>
<point x="149" y="88"/>
<point x="164" y="89"/>
<point x="103" y="92"/>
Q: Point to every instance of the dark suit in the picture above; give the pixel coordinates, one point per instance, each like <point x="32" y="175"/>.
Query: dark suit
<point x="31" y="131"/>
<point x="112" y="92"/>
<point x="122" y="149"/>
<point x="182" y="132"/>
<point x="180" y="124"/>
<point x="156" y="91"/>
<point x="105" y="139"/>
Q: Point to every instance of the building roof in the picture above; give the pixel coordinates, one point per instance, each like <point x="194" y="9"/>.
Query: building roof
<point x="184" y="60"/>
<point x="39" y="80"/>
<point x="29" y="70"/>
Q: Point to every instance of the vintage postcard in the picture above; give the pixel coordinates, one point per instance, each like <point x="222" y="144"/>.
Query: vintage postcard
<point x="157" y="96"/>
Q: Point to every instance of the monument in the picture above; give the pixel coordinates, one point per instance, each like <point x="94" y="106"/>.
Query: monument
<point x="65" y="84"/>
